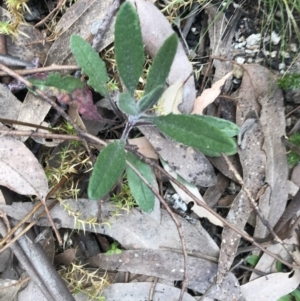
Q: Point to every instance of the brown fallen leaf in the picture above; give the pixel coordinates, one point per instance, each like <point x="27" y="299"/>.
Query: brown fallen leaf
<point x="144" y="147"/>
<point x="209" y="95"/>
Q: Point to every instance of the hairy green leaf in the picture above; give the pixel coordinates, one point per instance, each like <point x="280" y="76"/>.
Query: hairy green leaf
<point x="108" y="168"/>
<point x="67" y="83"/>
<point x="141" y="193"/>
<point x="162" y="63"/>
<point x="149" y="100"/>
<point x="227" y="127"/>
<point x="127" y="104"/>
<point x="196" y="132"/>
<point x="129" y="48"/>
<point x="88" y="59"/>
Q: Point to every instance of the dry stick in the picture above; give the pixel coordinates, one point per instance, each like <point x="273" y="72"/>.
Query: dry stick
<point x="177" y="223"/>
<point x="204" y="205"/>
<point x="256" y="208"/>
<point x="104" y="25"/>
<point x="43" y="69"/>
<point x="39" y="135"/>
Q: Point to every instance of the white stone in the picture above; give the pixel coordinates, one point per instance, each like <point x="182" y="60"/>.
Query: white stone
<point x="281" y="66"/>
<point x="293" y="47"/>
<point x="253" y="39"/>
<point x="240" y="60"/>
<point x="273" y="53"/>
<point x="275" y="38"/>
<point x="285" y="54"/>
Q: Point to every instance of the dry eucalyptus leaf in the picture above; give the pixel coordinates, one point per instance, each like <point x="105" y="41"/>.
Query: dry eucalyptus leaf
<point x="267" y="264"/>
<point x="255" y="84"/>
<point x="271" y="287"/>
<point x="209" y="95"/>
<point x="20" y="171"/>
<point x="140" y="291"/>
<point x="170" y="265"/>
<point x="155" y="30"/>
<point x="9" y="289"/>
<point x="9" y="104"/>
<point x="31" y="292"/>
<point x="148" y="234"/>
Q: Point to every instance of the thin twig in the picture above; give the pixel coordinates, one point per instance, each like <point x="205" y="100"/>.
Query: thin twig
<point x="204" y="205"/>
<point x="58" y="6"/>
<point x="104" y="25"/>
<point x="177" y="223"/>
<point x="16" y="133"/>
<point x="44" y="69"/>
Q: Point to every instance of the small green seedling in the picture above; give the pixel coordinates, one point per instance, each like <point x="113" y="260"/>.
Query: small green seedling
<point x="211" y="136"/>
<point x="113" y="249"/>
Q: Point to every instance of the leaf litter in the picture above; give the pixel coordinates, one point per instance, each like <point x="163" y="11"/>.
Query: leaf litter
<point x="262" y="159"/>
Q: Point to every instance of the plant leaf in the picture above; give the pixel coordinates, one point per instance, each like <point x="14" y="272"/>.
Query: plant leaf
<point x="88" y="59"/>
<point x="227" y="127"/>
<point x="196" y="132"/>
<point x="108" y="168"/>
<point x="129" y="48"/>
<point x="127" y="104"/>
<point x="141" y="193"/>
<point x="150" y="99"/>
<point x="162" y="63"/>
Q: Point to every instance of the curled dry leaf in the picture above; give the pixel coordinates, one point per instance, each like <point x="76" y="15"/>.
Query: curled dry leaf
<point x="155" y="30"/>
<point x="209" y="95"/>
<point x="20" y="171"/>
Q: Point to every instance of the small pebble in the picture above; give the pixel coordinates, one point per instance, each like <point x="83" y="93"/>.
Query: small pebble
<point x="259" y="60"/>
<point x="275" y="38"/>
<point x="250" y="60"/>
<point x="285" y="54"/>
<point x="293" y="47"/>
<point x="281" y="66"/>
<point x="240" y="60"/>
<point x="253" y="39"/>
<point x="288" y="121"/>
<point x="273" y="54"/>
